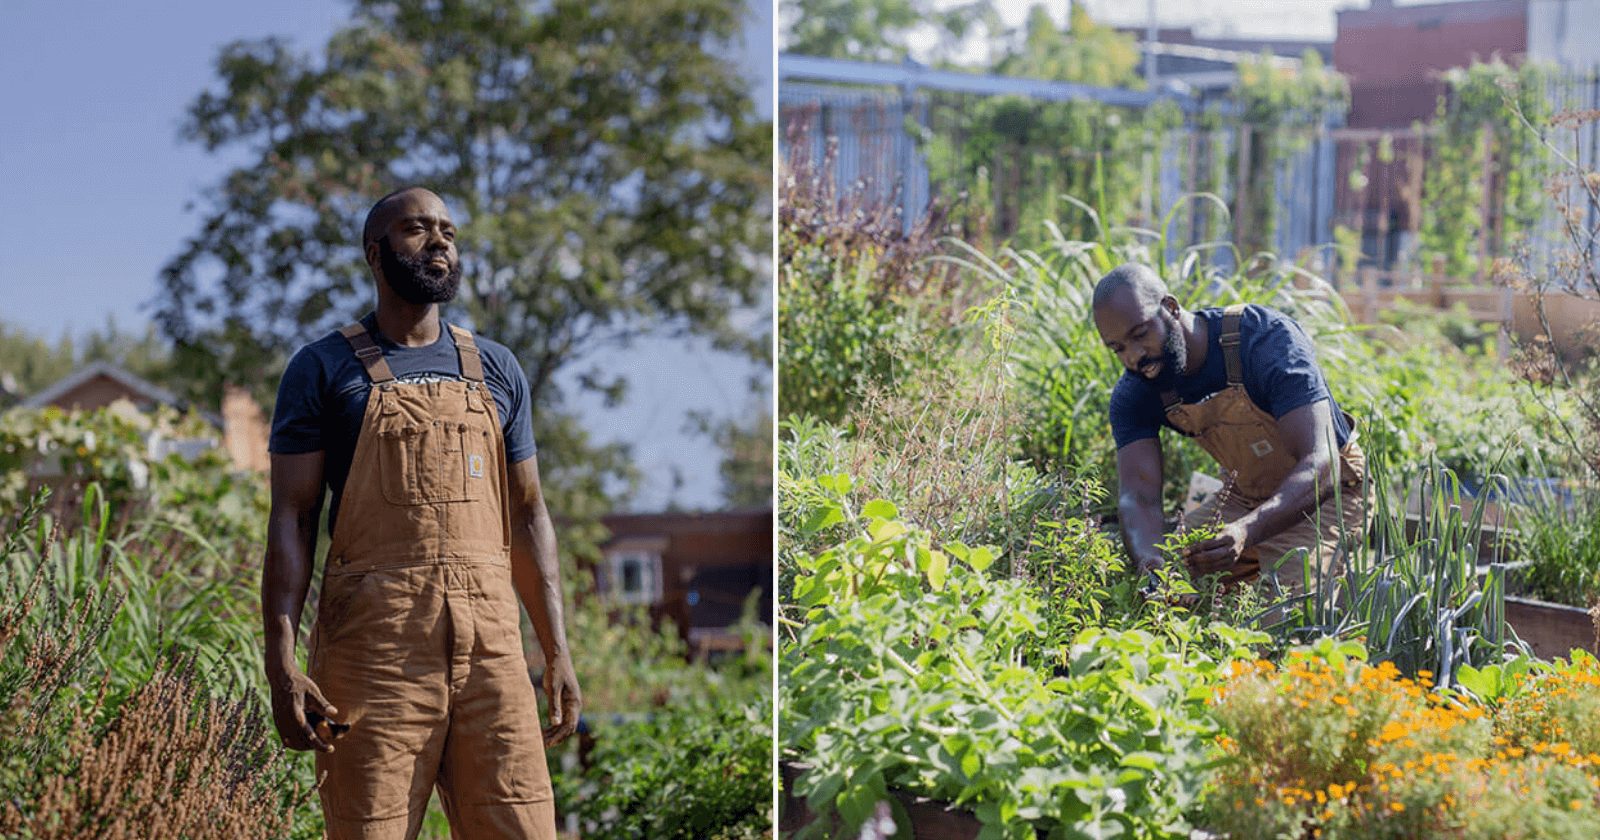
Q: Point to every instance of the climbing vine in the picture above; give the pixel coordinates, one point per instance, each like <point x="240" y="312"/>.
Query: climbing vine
<point x="1023" y="157"/>
<point x="1011" y="161"/>
<point x="1482" y="186"/>
<point x="1281" y="108"/>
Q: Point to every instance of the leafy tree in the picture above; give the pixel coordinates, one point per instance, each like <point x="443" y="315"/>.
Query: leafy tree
<point x="28" y="363"/>
<point x="746" y="444"/>
<point x="603" y="159"/>
<point x="878" y="30"/>
<point x="1084" y="52"/>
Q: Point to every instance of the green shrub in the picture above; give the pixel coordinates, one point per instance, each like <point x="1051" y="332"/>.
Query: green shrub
<point x="850" y="280"/>
<point x="683" y="749"/>
<point x="912" y="668"/>
<point x="203" y="497"/>
<point x="702" y="770"/>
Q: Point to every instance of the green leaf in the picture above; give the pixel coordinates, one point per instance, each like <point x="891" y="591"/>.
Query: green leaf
<point x="938" y="566"/>
<point x="1142" y="760"/>
<point x="1484" y="683"/>
<point x="880" y="509"/>
<point x="823" y="517"/>
<point x="882" y="530"/>
<point x="838" y="484"/>
<point x="971" y="763"/>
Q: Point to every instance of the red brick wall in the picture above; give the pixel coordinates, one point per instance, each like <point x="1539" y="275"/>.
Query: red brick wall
<point x="1393" y="55"/>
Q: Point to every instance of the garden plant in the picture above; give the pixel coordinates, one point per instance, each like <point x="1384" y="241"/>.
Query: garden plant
<point x="959" y="624"/>
<point x="135" y="701"/>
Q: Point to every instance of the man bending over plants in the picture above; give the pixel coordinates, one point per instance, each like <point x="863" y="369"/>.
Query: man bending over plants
<point x="1243" y="382"/>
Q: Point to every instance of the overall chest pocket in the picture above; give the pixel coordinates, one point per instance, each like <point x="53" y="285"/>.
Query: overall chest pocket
<point x="427" y="462"/>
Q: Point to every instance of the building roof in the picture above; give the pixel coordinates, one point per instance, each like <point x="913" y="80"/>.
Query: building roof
<point x="139" y="386"/>
<point x="743" y="519"/>
<point x="1386" y="13"/>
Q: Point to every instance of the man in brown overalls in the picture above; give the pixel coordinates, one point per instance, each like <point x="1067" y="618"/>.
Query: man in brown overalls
<point x="1244" y="384"/>
<point x="417" y="675"/>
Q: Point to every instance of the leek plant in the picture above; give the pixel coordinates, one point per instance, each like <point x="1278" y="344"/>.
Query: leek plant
<point x="1412" y="590"/>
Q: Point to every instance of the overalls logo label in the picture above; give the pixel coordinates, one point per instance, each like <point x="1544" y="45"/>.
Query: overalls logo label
<point x="475" y="466"/>
<point x="1262" y="448"/>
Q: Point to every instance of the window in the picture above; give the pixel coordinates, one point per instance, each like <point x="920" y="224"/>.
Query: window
<point x="634" y="577"/>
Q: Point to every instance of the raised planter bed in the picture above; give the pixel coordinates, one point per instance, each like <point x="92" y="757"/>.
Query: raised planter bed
<point x="1551" y="630"/>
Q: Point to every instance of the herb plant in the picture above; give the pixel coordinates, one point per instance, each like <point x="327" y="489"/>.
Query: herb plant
<point x="908" y="667"/>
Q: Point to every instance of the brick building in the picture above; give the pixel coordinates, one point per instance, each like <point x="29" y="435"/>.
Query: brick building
<point x="242" y="428"/>
<point x="1394" y="57"/>
<point x="697" y="569"/>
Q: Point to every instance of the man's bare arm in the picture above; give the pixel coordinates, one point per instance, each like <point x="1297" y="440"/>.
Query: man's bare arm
<point x="291" y="545"/>
<point x="1308" y="435"/>
<point x="536" y="573"/>
<point x="1139" y="501"/>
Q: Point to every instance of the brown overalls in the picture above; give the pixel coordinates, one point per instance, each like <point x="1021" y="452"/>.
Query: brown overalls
<point x="417" y="641"/>
<point x="1245" y="441"/>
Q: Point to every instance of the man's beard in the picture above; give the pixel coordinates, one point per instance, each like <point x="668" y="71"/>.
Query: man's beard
<point x="1174" y="352"/>
<point x="414" y="280"/>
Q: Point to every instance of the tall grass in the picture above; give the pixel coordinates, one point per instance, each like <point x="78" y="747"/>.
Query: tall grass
<point x="1558" y="535"/>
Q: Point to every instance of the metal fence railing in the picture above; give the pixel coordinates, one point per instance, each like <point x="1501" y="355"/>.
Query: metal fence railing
<point x="891" y="130"/>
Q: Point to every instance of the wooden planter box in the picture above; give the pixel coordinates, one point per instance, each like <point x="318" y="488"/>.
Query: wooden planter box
<point x="1551" y="630"/>
<point x="930" y="820"/>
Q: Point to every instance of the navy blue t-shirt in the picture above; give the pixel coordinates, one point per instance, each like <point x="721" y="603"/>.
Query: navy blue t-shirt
<point x="1280" y="375"/>
<point x="323" y="397"/>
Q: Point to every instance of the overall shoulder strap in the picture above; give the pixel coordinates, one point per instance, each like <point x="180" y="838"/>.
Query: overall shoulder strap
<point x="467" y="352"/>
<point x="367" y="352"/>
<point x="1230" y="343"/>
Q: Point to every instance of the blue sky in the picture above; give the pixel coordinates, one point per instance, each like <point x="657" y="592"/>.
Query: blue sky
<point x="97" y="184"/>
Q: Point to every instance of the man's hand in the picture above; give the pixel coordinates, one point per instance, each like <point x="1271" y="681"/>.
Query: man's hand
<point x="1217" y="554"/>
<point x="566" y="701"/>
<point x="293" y="695"/>
<point x="1148" y="565"/>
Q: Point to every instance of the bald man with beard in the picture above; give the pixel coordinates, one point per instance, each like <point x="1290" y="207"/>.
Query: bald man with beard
<point x="1243" y="383"/>
<point x="422" y="432"/>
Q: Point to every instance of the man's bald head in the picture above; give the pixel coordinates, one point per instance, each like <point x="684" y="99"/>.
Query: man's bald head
<point x="410" y="245"/>
<point x="383" y="210"/>
<point x="1147" y="287"/>
<point x="1139" y="320"/>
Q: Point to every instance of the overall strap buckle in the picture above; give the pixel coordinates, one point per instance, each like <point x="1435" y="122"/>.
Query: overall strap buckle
<point x="367" y="352"/>
<point x="467" y="352"/>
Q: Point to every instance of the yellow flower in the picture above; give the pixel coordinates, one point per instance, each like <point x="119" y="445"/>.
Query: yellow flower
<point x="1397" y="807"/>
